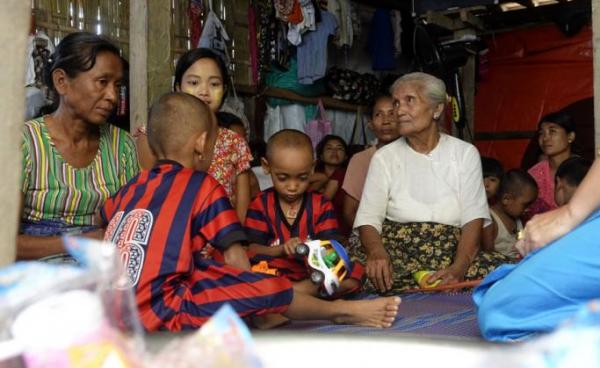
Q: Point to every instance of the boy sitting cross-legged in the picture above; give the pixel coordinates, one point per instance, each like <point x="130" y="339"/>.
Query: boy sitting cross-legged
<point x="288" y="214"/>
<point x="164" y="217"/>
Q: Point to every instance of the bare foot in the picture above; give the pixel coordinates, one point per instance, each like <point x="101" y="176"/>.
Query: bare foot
<point x="380" y="312"/>
<point x="269" y="321"/>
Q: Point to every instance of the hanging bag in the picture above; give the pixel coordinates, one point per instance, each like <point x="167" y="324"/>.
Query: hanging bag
<point x="319" y="127"/>
<point x="359" y="120"/>
<point x="214" y="36"/>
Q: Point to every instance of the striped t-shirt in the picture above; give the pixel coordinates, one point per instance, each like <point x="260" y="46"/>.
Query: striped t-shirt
<point x="56" y="191"/>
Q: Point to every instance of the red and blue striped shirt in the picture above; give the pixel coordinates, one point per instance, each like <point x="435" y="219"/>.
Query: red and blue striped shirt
<point x="161" y="221"/>
<point x="266" y="223"/>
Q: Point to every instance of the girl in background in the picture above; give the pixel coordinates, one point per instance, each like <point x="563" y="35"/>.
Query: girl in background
<point x="201" y="73"/>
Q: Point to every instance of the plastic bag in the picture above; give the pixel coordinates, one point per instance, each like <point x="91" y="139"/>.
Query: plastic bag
<point x="235" y="106"/>
<point x="319" y="127"/>
<point x="222" y="342"/>
<point x="64" y="316"/>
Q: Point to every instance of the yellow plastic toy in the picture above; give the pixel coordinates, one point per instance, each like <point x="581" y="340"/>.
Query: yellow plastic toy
<point x="421" y="276"/>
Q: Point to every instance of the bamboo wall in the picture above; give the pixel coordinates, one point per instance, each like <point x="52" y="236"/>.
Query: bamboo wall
<point x="234" y="15"/>
<point x="111" y="18"/>
<point x="108" y="17"/>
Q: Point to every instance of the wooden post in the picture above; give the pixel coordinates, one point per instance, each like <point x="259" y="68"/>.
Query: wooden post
<point x="160" y="65"/>
<point x="151" y="68"/>
<point x="596" y="45"/>
<point x="138" y="69"/>
<point x="468" y="87"/>
<point x="14" y="28"/>
<point x="467" y="76"/>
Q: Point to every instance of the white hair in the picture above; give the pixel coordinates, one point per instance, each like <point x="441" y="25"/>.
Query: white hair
<point x="434" y="88"/>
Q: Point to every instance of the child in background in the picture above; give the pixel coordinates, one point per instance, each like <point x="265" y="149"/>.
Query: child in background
<point x="569" y="175"/>
<point x="288" y="214"/>
<point x="202" y="73"/>
<point x="260" y="180"/>
<point x="164" y="217"/>
<point x="232" y="122"/>
<point x="332" y="158"/>
<point x="517" y="191"/>
<point x="492" y="173"/>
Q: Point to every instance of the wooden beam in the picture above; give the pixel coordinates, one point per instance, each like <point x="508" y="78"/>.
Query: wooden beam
<point x="452" y="24"/>
<point x="468" y="18"/>
<point x="596" y="74"/>
<point x="14" y="28"/>
<point x="328" y="102"/>
<point x="138" y="71"/>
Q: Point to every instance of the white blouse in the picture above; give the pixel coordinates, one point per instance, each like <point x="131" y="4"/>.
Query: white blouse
<point x="443" y="186"/>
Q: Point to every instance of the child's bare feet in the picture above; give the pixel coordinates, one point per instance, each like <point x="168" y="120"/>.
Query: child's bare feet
<point x="269" y="321"/>
<point x="380" y="312"/>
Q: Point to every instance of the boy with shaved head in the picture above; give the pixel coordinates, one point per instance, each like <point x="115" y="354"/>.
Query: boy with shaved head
<point x="281" y="217"/>
<point x="163" y="219"/>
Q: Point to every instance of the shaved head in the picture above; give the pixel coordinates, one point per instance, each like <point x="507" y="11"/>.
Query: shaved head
<point x="288" y="138"/>
<point x="173" y="120"/>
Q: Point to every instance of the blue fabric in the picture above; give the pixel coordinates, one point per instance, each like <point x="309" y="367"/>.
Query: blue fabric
<point x="381" y="41"/>
<point x="546" y="288"/>
<point x="312" y="52"/>
<point x="425" y="314"/>
<point x="52" y="228"/>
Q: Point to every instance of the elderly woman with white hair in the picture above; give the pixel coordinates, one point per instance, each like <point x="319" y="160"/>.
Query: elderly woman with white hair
<point x="424" y="204"/>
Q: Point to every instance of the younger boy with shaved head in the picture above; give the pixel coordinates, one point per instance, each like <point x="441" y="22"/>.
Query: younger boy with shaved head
<point x="281" y="217"/>
<point x="163" y="219"/>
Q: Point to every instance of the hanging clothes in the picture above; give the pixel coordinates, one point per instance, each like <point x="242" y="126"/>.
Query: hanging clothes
<point x="194" y="11"/>
<point x="39" y="49"/>
<point x="288" y="11"/>
<point x="396" y="18"/>
<point x="267" y="36"/>
<point x="253" y="44"/>
<point x="342" y="11"/>
<point x="308" y="23"/>
<point x="381" y="41"/>
<point x="312" y="52"/>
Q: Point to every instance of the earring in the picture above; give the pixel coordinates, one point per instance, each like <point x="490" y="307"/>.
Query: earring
<point x="436" y="116"/>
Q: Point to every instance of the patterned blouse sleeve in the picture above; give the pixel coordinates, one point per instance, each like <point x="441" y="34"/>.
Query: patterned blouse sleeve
<point x="243" y="156"/>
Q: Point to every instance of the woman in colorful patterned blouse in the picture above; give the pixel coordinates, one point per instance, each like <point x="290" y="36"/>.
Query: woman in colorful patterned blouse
<point x="202" y="73"/>
<point x="72" y="159"/>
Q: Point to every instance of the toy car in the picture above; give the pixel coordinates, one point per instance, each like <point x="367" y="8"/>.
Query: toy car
<point x="328" y="262"/>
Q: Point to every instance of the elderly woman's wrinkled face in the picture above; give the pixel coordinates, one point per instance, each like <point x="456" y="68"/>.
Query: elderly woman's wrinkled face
<point x="415" y="114"/>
